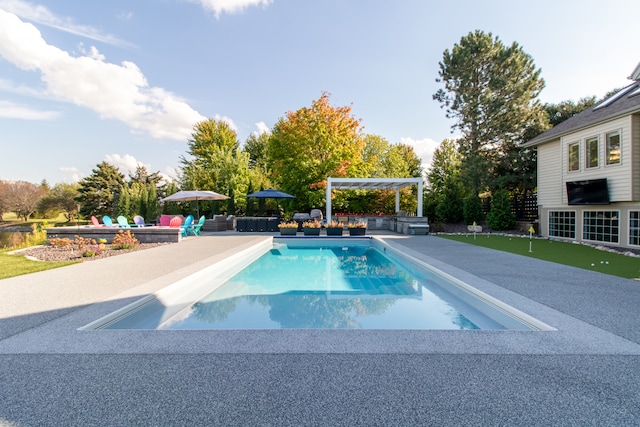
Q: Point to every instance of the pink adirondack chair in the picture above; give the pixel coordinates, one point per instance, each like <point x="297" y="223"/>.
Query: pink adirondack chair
<point x="165" y="220"/>
<point x="95" y="222"/>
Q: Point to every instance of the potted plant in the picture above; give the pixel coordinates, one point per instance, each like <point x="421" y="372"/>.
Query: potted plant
<point x="311" y="228"/>
<point x="357" y="228"/>
<point x="288" y="228"/>
<point x="334" y="228"/>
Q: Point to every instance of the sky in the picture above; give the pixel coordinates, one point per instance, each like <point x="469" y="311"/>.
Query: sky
<point x="124" y="82"/>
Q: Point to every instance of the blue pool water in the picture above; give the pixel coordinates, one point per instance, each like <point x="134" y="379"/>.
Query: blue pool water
<point x="339" y="287"/>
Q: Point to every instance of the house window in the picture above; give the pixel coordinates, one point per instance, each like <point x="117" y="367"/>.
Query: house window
<point x="613" y="148"/>
<point x="592" y="152"/>
<point x="601" y="226"/>
<point x="562" y="224"/>
<point x="574" y="156"/>
<point x="634" y="228"/>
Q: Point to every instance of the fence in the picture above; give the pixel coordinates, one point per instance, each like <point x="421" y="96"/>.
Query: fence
<point x="524" y="206"/>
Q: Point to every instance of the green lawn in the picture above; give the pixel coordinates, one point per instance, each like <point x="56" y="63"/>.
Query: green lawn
<point x="16" y="265"/>
<point x="576" y="255"/>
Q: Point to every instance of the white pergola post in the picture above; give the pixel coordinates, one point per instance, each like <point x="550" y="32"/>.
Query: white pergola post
<point x="328" y="199"/>
<point x="397" y="200"/>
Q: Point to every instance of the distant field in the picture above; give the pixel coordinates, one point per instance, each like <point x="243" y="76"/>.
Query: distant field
<point x="575" y="255"/>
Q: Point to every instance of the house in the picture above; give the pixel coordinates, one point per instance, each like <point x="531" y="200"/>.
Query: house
<point x="589" y="173"/>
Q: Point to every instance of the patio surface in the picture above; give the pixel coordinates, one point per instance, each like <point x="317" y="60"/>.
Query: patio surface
<point x="587" y="372"/>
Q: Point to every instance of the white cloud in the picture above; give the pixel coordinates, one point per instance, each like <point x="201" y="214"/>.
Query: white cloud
<point x="127" y="164"/>
<point x="15" y="111"/>
<point x="76" y="175"/>
<point x="44" y="16"/>
<point x="424" y="149"/>
<point x="230" y="6"/>
<point x="118" y="92"/>
<point x="262" y="128"/>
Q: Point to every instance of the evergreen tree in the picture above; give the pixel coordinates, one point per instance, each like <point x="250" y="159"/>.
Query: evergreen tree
<point x="152" y="204"/>
<point x="98" y="192"/>
<point x="124" y="202"/>
<point x="250" y="202"/>
<point x="472" y="209"/>
<point x="500" y="216"/>
<point x="490" y="90"/>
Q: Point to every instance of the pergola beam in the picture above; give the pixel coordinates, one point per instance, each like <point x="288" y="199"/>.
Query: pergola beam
<point x="373" y="184"/>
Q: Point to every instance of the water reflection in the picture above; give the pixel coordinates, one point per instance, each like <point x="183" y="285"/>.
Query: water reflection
<point x="333" y="288"/>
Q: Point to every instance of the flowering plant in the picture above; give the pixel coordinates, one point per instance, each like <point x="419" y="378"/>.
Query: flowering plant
<point x="357" y="224"/>
<point x="333" y="224"/>
<point x="288" y="224"/>
<point x="311" y="224"/>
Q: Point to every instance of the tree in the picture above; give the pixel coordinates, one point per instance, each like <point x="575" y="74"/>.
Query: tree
<point x="256" y="146"/>
<point x="216" y="162"/>
<point x="558" y="113"/>
<point x="152" y="204"/>
<point x="23" y="198"/>
<point x="62" y="197"/>
<point x="500" y="216"/>
<point x="311" y="144"/>
<point x="99" y="191"/>
<point x="444" y="185"/>
<point x="124" y="202"/>
<point x="490" y="90"/>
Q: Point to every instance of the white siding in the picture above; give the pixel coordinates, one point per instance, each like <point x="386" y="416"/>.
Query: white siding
<point x="635" y="156"/>
<point x="550" y="184"/>
<point x="619" y="176"/>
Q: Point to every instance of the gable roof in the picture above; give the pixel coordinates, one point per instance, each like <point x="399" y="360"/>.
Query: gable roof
<point x="624" y="102"/>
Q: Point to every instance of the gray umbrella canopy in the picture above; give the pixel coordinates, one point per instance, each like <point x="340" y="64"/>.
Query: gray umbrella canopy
<point x="270" y="193"/>
<point x="187" y="195"/>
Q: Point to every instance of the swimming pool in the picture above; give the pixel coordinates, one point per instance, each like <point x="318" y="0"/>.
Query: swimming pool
<point x="322" y="284"/>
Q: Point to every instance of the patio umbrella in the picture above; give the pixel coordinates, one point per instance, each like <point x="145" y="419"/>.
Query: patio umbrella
<point x="187" y="195"/>
<point x="270" y="193"/>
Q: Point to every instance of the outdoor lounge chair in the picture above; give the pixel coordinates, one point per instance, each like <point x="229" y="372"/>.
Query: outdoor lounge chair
<point x="107" y="221"/>
<point x="95" y="222"/>
<point x="165" y="220"/>
<point x="175" y="222"/>
<point x="187" y="224"/>
<point x="123" y="222"/>
<point x="139" y="221"/>
<point x="195" y="229"/>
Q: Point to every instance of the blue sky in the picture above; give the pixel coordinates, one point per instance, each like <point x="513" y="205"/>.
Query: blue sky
<point x="124" y="81"/>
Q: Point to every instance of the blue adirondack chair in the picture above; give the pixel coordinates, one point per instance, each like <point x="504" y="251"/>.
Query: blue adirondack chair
<point x="186" y="225"/>
<point x="106" y="220"/>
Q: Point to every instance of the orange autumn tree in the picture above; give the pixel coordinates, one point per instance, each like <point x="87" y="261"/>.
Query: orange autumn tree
<point x="311" y="144"/>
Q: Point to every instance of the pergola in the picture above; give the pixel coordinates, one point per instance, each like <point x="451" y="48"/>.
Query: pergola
<point x="373" y="184"/>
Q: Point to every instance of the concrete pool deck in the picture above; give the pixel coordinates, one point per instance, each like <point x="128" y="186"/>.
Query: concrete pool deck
<point x="585" y="373"/>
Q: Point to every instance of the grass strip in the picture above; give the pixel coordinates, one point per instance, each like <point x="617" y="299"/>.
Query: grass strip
<point x="575" y="255"/>
<point x="17" y="265"/>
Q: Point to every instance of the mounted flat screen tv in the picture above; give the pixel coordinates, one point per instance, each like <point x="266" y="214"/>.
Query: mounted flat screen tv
<point x="588" y="192"/>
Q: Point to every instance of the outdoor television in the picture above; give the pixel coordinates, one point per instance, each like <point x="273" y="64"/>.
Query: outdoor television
<point x="588" y="192"/>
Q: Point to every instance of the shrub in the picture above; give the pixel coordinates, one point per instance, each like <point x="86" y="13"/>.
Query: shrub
<point x="472" y="210"/>
<point x="60" y="243"/>
<point x="91" y="252"/>
<point x="357" y="224"/>
<point x="333" y="224"/>
<point x="500" y="216"/>
<point x="124" y="240"/>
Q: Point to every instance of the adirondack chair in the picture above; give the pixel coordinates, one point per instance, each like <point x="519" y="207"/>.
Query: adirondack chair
<point x="139" y="221"/>
<point x="175" y="222"/>
<point x="107" y="221"/>
<point x="195" y="229"/>
<point x="123" y="222"/>
<point x="187" y="225"/>
<point x="95" y="222"/>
